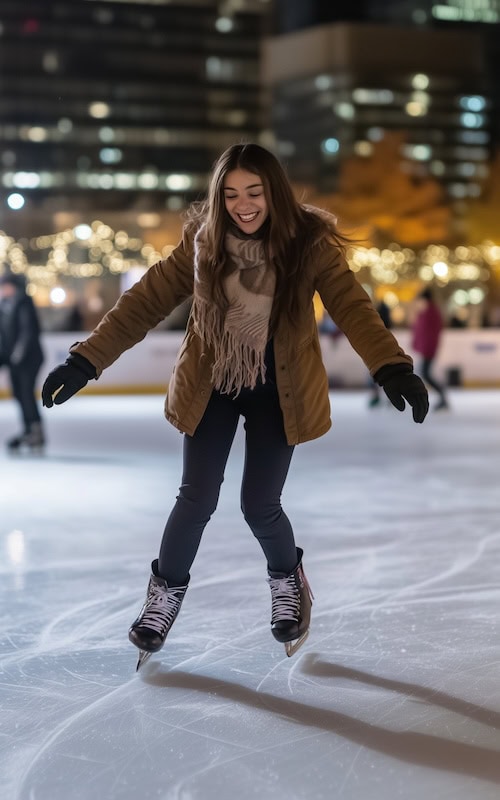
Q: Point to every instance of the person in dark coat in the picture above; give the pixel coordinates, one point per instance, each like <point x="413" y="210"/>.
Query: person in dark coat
<point x="427" y="330"/>
<point x="21" y="353"/>
<point x="385" y="315"/>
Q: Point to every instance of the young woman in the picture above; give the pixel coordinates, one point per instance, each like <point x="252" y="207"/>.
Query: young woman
<point x="251" y="257"/>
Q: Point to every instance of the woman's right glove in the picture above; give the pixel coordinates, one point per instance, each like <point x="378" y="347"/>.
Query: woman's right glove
<point x="67" y="379"/>
<point x="400" y="383"/>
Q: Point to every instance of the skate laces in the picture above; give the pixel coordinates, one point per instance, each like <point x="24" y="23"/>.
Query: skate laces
<point x="285" y="598"/>
<point x="161" y="607"/>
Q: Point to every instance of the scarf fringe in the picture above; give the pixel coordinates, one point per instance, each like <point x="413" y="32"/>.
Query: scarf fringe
<point x="236" y="363"/>
<point x="238" y="338"/>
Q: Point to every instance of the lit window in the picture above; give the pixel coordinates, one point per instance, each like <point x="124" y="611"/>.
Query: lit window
<point x="8" y="158"/>
<point x="37" y="134"/>
<point x="105" y="181"/>
<point x="438" y="168"/>
<point x="416" y="109"/>
<point x="99" y="110"/>
<point x="323" y="82"/>
<point x="174" y="203"/>
<point x="473" y="137"/>
<point x="420" y="81"/>
<point x="224" y="24"/>
<point x="26" y="180"/>
<point x="219" y="68"/>
<point x="64" y="125"/>
<point x="15" y="201"/>
<point x="375" y="134"/>
<point x="50" y="61"/>
<point x="344" y="110"/>
<point x="330" y="146"/>
<point x="470" y="120"/>
<point x="458" y="190"/>
<point x="421" y="97"/>
<point x="106" y="134"/>
<point x="178" y="182"/>
<point x="236" y="118"/>
<point x="147" y="180"/>
<point x="285" y="148"/>
<point x="467" y="169"/>
<point x="373" y="96"/>
<point x="363" y="149"/>
<point x="124" y="180"/>
<point x="420" y="152"/>
<point x="473" y="103"/>
<point x="110" y="155"/>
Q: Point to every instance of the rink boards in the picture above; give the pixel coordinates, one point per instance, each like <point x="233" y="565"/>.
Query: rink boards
<point x="468" y="358"/>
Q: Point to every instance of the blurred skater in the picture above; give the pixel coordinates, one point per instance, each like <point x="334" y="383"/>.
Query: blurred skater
<point x="21" y="353"/>
<point x="385" y="315"/>
<point x="427" y="330"/>
<point x="252" y="257"/>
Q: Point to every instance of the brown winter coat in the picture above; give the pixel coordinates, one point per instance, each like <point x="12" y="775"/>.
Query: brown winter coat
<point x="300" y="374"/>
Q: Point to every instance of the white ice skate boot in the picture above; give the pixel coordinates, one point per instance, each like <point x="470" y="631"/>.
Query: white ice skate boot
<point x="291" y="600"/>
<point x="157" y="615"/>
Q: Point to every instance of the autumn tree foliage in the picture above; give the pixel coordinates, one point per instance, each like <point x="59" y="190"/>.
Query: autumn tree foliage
<point x="483" y="214"/>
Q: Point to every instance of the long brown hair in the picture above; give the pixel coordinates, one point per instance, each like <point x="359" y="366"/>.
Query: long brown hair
<point x="290" y="231"/>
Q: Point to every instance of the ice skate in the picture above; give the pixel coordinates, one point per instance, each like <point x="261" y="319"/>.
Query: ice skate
<point x="32" y="439"/>
<point x="157" y="615"/>
<point x="291" y="600"/>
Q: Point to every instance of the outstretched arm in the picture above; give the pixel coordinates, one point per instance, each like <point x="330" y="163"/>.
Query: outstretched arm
<point x="352" y="310"/>
<point x="164" y="286"/>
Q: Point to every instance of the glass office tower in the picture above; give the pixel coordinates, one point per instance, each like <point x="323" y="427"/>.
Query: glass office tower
<point x="123" y="104"/>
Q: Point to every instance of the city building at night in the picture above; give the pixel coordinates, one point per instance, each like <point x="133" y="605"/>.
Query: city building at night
<point x="121" y="106"/>
<point x="337" y="88"/>
<point x="113" y="112"/>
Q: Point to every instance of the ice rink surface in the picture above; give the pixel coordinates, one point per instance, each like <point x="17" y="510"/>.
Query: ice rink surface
<point x="396" y="693"/>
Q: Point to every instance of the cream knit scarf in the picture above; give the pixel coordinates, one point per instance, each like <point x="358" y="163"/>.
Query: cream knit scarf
<point x="239" y="337"/>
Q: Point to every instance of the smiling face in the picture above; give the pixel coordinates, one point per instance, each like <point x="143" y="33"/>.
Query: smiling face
<point x="245" y="200"/>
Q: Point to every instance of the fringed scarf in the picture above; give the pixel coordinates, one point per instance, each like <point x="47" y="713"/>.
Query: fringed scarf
<point x="239" y="336"/>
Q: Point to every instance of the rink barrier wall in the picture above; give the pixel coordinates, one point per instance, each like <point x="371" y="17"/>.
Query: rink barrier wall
<point x="468" y="358"/>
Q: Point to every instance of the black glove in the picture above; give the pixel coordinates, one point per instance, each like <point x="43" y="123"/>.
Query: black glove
<point x="67" y="379"/>
<point x="400" y="383"/>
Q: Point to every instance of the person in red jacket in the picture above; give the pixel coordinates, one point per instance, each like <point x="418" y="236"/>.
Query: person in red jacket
<point x="427" y="330"/>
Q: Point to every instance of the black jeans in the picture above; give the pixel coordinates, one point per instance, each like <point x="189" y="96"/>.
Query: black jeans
<point x="22" y="379"/>
<point x="267" y="459"/>
<point x="425" y="372"/>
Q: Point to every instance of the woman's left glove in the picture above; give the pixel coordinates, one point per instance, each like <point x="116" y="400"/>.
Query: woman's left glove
<point x="400" y="383"/>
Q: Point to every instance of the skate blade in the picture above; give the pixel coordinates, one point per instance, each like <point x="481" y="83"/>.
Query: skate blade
<point x="292" y="647"/>
<point x="144" y="655"/>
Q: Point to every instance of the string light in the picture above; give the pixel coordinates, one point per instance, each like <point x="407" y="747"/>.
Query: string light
<point x="95" y="250"/>
<point x="80" y="252"/>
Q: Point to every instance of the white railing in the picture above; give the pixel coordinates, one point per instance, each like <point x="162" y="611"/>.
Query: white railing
<point x="470" y="357"/>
